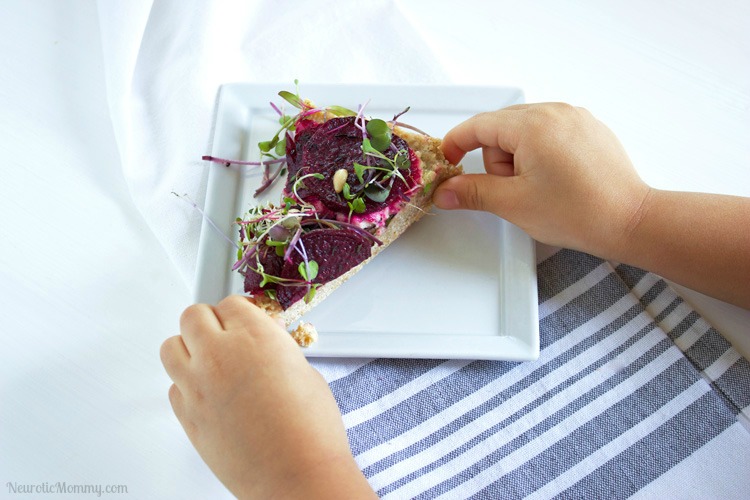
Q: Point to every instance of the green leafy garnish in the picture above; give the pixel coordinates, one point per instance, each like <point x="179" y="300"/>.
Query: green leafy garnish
<point x="380" y="134"/>
<point x="402" y="160"/>
<point x="346" y="191"/>
<point x="380" y="142"/>
<point x="367" y="147"/>
<point x="377" y="126"/>
<point x="311" y="293"/>
<point x="340" y="111"/>
<point x="265" y="146"/>
<point x="357" y="205"/>
<point x="280" y="148"/>
<point x="292" y="99"/>
<point x="308" y="270"/>
<point x="359" y="170"/>
<point x="299" y="184"/>
<point x="377" y="193"/>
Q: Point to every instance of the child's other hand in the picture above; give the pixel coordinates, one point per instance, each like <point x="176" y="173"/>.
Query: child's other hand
<point x="552" y="169"/>
<point x="260" y="416"/>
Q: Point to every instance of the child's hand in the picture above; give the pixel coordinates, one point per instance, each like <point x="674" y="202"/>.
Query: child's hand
<point x="260" y="416"/>
<point x="553" y="170"/>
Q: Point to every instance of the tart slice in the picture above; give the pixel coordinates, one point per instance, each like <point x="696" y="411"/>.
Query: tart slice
<point x="352" y="186"/>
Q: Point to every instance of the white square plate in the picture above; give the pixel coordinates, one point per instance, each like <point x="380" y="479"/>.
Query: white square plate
<point x="455" y="285"/>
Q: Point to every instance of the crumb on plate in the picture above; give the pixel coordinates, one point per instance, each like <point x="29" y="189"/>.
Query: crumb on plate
<point x="305" y="334"/>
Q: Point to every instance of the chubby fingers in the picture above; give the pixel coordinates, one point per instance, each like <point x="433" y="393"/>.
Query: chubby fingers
<point x="489" y="193"/>
<point x="237" y="312"/>
<point x="497" y="129"/>
<point x="175" y="357"/>
<point x="497" y="161"/>
<point x="195" y="322"/>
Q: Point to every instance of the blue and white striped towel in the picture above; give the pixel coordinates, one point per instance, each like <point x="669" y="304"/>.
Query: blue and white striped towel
<point x="630" y="382"/>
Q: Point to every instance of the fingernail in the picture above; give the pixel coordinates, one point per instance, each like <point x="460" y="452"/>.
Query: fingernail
<point x="446" y="199"/>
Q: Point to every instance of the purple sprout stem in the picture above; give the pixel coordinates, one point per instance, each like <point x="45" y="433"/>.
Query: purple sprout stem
<point x="187" y="200"/>
<point x="407" y="126"/>
<point x="352" y="227"/>
<point x="266" y="171"/>
<point x="276" y="108"/>
<point x="292" y="244"/>
<point x="245" y="258"/>
<point x="361" y="118"/>
<point x="238" y="162"/>
<point x="301" y="250"/>
<point x="336" y="129"/>
<point x="310" y="111"/>
<point x="395" y="117"/>
<point x="269" y="180"/>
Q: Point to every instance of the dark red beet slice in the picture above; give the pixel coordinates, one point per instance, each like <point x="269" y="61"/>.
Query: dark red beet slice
<point x="327" y="147"/>
<point x="335" y="250"/>
<point x="292" y="151"/>
<point x="272" y="265"/>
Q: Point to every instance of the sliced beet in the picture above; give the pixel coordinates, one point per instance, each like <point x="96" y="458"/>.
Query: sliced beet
<point x="272" y="265"/>
<point x="335" y="250"/>
<point x="333" y="145"/>
<point x="292" y="150"/>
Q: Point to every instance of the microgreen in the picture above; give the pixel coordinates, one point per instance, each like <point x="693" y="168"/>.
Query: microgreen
<point x="380" y="134"/>
<point x="272" y="226"/>
<point x="402" y="160"/>
<point x="292" y="99"/>
<point x="346" y="191"/>
<point x="286" y="121"/>
<point x="337" y="224"/>
<point x="299" y="184"/>
<point x="280" y="148"/>
<point x="292" y="244"/>
<point x="380" y="142"/>
<point x="228" y="162"/>
<point x="265" y="146"/>
<point x="357" y="205"/>
<point x="340" y="111"/>
<point x="359" y="170"/>
<point x="377" y="192"/>
<point x="311" y="293"/>
<point x="187" y="199"/>
<point x="386" y="168"/>
<point x="308" y="270"/>
<point x="367" y="147"/>
<point x="396" y="116"/>
<point x="378" y="127"/>
<point x="268" y="278"/>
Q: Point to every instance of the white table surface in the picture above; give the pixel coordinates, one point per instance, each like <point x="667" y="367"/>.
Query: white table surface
<point x="87" y="293"/>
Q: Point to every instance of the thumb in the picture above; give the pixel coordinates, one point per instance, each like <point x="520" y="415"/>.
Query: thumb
<point x="484" y="192"/>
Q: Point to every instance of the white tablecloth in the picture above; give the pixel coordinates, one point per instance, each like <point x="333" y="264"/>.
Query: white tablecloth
<point x="107" y="107"/>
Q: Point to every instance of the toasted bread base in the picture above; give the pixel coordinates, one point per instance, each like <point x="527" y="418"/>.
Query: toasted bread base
<point x="435" y="169"/>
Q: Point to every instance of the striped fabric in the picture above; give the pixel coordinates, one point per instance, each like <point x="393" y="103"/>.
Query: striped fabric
<point x="630" y="382"/>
